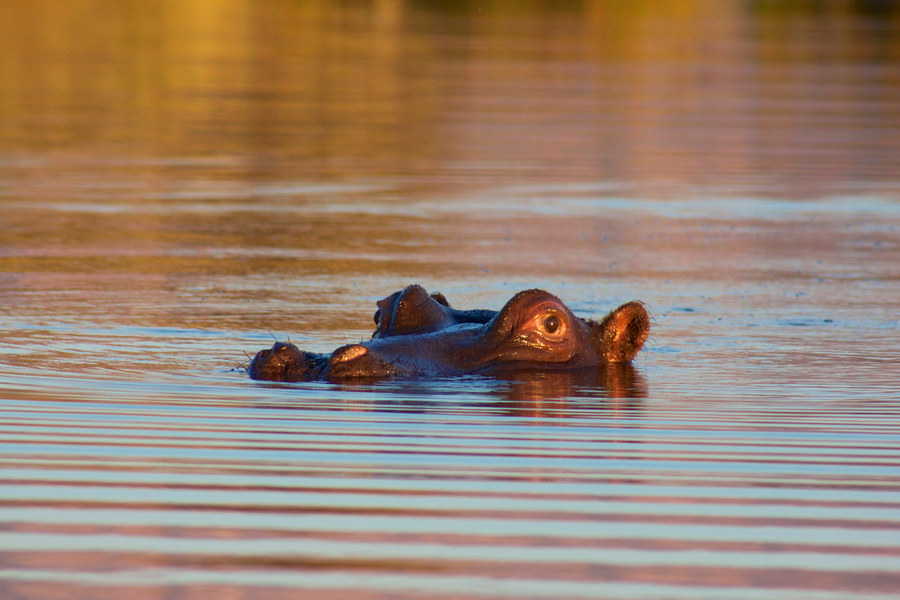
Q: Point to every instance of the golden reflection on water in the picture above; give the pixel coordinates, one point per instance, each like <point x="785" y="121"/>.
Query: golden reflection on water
<point x="645" y="92"/>
<point x="177" y="178"/>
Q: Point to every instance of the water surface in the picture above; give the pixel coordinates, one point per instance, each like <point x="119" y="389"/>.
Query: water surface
<point x="180" y="182"/>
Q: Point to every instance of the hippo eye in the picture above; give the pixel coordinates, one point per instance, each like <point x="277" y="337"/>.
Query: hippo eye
<point x="551" y="324"/>
<point x="377" y="316"/>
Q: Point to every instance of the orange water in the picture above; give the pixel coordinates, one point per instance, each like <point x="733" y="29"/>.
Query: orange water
<point x="181" y="181"/>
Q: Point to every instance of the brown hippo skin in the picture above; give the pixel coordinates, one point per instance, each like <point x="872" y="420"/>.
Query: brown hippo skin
<point x="419" y="334"/>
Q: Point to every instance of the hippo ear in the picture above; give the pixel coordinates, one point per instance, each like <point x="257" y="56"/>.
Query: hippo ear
<point x="440" y="298"/>
<point x="622" y="333"/>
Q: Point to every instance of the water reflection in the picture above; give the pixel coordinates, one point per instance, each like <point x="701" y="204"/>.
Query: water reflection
<point x="178" y="176"/>
<point x="610" y="382"/>
<point x="673" y="95"/>
<point x="522" y="393"/>
<point x="558" y="394"/>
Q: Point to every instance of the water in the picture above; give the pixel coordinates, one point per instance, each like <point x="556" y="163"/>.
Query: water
<point x="180" y="182"/>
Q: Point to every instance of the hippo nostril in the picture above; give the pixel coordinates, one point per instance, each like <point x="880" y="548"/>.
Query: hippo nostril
<point x="348" y="353"/>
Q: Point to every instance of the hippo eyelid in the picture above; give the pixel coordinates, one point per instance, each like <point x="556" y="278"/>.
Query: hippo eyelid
<point x="535" y="327"/>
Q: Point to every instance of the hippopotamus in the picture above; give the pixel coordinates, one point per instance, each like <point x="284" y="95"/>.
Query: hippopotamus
<point x="420" y="334"/>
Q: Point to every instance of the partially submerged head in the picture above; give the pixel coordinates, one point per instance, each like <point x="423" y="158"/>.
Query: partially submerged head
<point x="419" y="334"/>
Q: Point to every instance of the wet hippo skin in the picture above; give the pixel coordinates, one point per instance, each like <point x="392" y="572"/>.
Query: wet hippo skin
<point x="419" y="334"/>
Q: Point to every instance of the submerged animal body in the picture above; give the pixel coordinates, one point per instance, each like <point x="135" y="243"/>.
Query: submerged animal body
<point x="419" y="334"/>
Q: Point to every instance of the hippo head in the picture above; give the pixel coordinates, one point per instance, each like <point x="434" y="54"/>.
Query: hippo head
<point x="418" y="334"/>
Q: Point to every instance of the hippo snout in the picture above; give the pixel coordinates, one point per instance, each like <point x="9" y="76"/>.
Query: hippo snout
<point x="285" y="362"/>
<point x="348" y="353"/>
<point x="356" y="360"/>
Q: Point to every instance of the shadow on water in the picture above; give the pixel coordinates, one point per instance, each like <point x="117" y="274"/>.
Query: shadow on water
<point x="611" y="382"/>
<point x="525" y="393"/>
